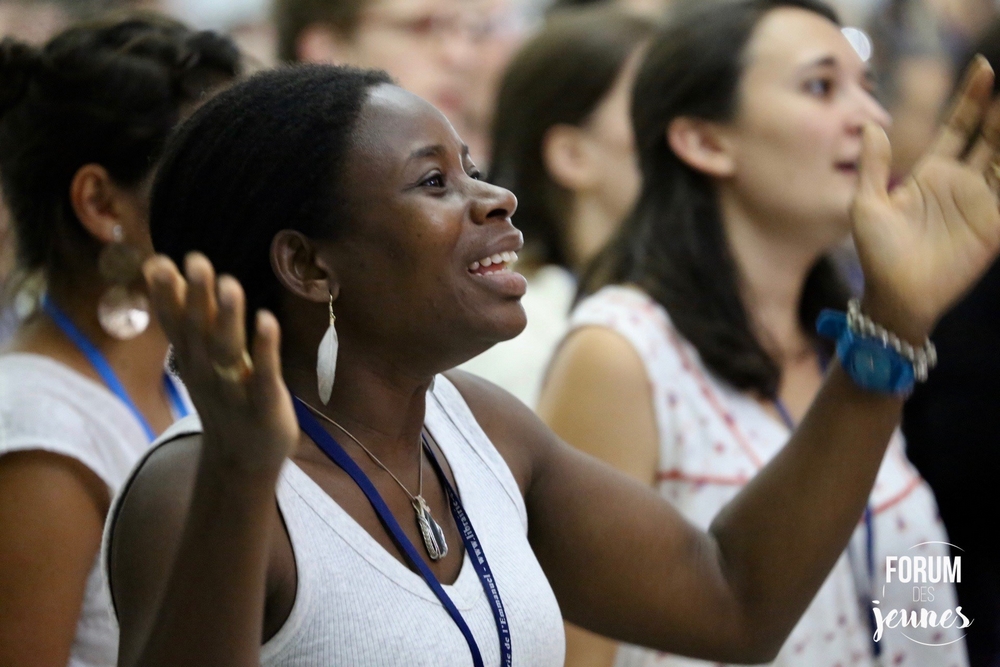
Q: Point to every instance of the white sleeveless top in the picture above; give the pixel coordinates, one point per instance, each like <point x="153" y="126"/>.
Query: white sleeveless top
<point x="357" y="605"/>
<point x="47" y="406"/>
<point x="713" y="439"/>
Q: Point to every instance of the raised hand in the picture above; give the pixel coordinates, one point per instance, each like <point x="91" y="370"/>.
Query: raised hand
<point x="244" y="405"/>
<point x="926" y="243"/>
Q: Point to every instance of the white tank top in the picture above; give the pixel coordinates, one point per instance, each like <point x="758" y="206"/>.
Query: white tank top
<point x="358" y="605"/>
<point x="47" y="406"/>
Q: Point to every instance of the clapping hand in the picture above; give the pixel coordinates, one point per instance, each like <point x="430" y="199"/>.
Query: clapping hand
<point x="245" y="407"/>
<point x="927" y="242"/>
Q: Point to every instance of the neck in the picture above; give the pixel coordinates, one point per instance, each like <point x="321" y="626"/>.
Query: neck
<point x="381" y="406"/>
<point x="591" y="226"/>
<point x="137" y="362"/>
<point x="772" y="273"/>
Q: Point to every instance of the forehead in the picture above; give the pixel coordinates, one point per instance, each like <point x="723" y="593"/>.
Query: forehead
<point x="788" y="38"/>
<point x="393" y="124"/>
<point x="411" y="7"/>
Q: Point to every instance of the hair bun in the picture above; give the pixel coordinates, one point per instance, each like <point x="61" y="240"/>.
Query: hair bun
<point x="18" y="62"/>
<point x="202" y="54"/>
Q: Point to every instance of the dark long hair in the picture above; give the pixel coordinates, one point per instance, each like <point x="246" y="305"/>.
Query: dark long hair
<point x="673" y="244"/>
<point x="558" y="77"/>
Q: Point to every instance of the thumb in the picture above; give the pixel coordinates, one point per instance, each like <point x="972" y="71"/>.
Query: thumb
<point x="876" y="157"/>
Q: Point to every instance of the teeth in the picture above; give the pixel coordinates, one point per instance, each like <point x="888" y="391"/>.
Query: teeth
<point x="499" y="258"/>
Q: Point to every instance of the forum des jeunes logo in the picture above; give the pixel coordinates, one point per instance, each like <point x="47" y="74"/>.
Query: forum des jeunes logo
<point x="918" y="599"/>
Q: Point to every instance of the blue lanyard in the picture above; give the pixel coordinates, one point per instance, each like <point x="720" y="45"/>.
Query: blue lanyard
<point x="863" y="596"/>
<point x="473" y="548"/>
<point x="107" y="373"/>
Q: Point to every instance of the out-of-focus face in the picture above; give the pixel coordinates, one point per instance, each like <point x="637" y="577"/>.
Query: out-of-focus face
<point x="504" y="26"/>
<point x="805" y="95"/>
<point x="427" y="46"/>
<point x="609" y="129"/>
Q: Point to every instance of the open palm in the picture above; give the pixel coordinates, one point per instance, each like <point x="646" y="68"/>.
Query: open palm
<point x="927" y="242"/>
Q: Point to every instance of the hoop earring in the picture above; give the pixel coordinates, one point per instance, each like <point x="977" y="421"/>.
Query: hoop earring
<point x="326" y="358"/>
<point x="122" y="311"/>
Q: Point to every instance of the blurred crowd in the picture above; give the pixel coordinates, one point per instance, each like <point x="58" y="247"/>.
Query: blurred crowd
<point x="541" y="92"/>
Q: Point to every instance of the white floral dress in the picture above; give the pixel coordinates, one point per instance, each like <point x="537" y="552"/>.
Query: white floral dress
<point x="713" y="439"/>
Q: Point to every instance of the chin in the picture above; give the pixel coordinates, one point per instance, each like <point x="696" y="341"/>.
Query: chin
<point x="502" y="323"/>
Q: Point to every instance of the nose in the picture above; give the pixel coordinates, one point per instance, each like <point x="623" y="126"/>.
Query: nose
<point x="865" y="108"/>
<point x="492" y="203"/>
<point x="457" y="42"/>
<point x="458" y="50"/>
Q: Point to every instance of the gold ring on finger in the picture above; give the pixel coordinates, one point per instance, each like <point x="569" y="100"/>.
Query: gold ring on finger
<point x="237" y="372"/>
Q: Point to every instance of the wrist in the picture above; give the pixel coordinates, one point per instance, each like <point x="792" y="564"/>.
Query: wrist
<point x="876" y="357"/>
<point x="241" y="465"/>
<point x="909" y="327"/>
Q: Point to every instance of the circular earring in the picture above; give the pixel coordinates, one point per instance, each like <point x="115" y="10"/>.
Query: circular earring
<point x="122" y="311"/>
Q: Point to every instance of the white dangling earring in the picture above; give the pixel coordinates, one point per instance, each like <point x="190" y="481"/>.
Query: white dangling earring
<point x="326" y="359"/>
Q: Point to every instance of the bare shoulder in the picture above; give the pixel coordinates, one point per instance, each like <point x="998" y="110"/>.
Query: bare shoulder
<point x="596" y="374"/>
<point x="517" y="433"/>
<point x="596" y="355"/>
<point x="161" y="488"/>
<point x="52" y="510"/>
<point x="598" y="398"/>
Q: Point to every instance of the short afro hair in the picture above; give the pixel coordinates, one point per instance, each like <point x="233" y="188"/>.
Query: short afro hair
<point x="263" y="156"/>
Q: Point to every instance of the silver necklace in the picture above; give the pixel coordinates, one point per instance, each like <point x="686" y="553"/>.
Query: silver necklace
<point x="430" y="530"/>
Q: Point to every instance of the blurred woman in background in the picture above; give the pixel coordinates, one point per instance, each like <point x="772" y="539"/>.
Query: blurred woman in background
<point x="694" y="355"/>
<point x="83" y="390"/>
<point x="563" y="142"/>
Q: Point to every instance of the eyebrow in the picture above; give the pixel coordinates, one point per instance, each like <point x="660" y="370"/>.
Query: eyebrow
<point x="436" y="150"/>
<point x="831" y="61"/>
<point x="824" y="61"/>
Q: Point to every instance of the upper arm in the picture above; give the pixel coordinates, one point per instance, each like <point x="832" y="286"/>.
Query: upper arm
<point x="142" y="548"/>
<point x="146" y="536"/>
<point x="598" y="398"/>
<point x="52" y="511"/>
<point x="621" y="560"/>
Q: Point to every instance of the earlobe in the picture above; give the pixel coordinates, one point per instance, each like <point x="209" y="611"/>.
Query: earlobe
<point x="96" y="202"/>
<point x="300" y="269"/>
<point x="701" y="146"/>
<point x="566" y="157"/>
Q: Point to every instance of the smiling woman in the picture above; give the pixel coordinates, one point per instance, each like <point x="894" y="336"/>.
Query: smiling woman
<point x="274" y="545"/>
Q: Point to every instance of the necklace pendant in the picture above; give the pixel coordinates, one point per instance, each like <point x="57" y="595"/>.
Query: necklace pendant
<point x="434" y="541"/>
